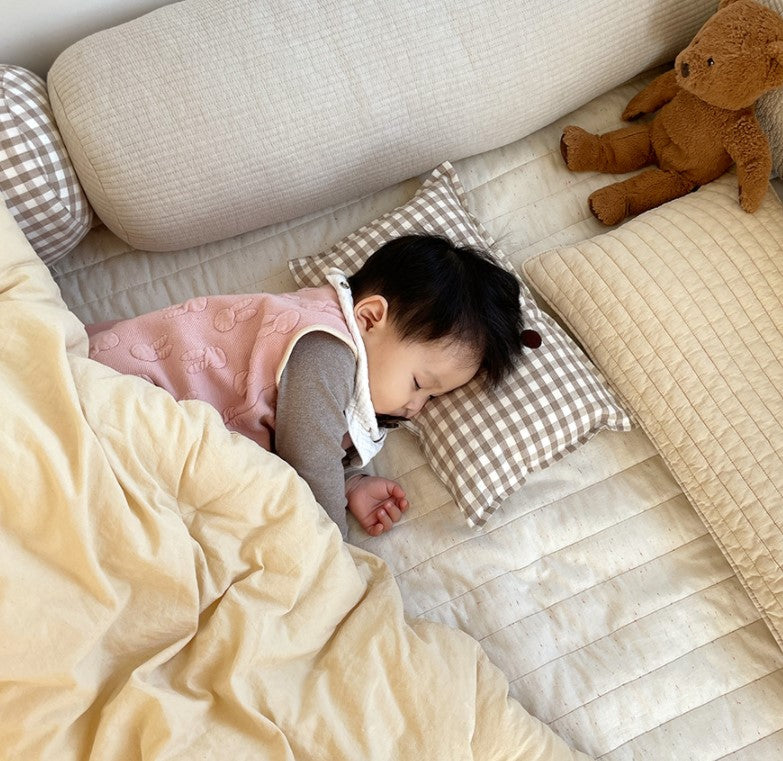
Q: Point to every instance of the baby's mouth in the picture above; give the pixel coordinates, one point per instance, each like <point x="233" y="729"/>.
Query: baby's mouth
<point x="389" y="421"/>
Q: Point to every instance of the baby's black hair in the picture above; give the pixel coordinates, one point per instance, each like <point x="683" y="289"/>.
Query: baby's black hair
<point x="436" y="289"/>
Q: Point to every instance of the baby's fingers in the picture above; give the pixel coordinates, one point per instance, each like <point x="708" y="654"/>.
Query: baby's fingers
<point x="396" y="491"/>
<point x="395" y="509"/>
<point x="387" y="515"/>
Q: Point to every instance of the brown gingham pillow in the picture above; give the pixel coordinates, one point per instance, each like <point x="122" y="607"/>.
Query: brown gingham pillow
<point x="483" y="442"/>
<point x="37" y="181"/>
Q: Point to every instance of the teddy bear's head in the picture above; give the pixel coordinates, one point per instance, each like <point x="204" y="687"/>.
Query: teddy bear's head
<point x="735" y="57"/>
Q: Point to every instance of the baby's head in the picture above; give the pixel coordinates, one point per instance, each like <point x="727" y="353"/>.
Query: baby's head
<point x="432" y="316"/>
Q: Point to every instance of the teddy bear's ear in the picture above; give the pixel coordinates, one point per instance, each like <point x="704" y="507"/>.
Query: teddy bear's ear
<point x="723" y="3"/>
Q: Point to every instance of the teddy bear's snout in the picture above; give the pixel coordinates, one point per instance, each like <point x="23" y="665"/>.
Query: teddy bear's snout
<point x="685" y="69"/>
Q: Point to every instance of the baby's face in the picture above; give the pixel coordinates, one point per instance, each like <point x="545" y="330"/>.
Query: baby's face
<point x="404" y="375"/>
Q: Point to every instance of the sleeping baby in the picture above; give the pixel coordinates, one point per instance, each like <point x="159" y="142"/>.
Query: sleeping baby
<point x="319" y="375"/>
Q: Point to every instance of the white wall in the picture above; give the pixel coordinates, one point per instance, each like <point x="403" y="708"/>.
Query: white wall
<point x="34" y="32"/>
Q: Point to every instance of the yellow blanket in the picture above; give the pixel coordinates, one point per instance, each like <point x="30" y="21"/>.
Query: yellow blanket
<point x="168" y="590"/>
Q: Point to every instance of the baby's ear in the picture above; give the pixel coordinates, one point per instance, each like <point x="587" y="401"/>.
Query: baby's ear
<point x="371" y="311"/>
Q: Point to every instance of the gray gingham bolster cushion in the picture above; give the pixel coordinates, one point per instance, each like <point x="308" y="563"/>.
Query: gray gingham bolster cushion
<point x="207" y="118"/>
<point x="37" y="181"/>
<point x="483" y="442"/>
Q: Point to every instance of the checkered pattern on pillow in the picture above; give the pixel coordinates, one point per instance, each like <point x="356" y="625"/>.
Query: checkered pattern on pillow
<point x="483" y="442"/>
<point x="37" y="181"/>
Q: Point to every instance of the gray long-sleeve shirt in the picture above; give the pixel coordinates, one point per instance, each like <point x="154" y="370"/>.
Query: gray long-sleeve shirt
<point x="310" y="423"/>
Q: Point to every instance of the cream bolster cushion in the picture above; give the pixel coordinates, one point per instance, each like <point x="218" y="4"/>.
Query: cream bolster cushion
<point x="208" y="118"/>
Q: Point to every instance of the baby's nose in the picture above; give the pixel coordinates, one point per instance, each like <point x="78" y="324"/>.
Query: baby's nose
<point x="414" y="406"/>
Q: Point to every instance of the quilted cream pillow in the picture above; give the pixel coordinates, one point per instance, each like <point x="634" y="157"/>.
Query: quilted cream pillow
<point x="37" y="181"/>
<point x="483" y="442"/>
<point x="682" y="309"/>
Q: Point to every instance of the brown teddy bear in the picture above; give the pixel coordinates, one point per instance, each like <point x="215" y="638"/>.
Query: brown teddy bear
<point x="705" y="123"/>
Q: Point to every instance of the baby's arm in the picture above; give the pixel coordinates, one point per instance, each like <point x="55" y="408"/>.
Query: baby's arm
<point x="313" y="393"/>
<point x="310" y="423"/>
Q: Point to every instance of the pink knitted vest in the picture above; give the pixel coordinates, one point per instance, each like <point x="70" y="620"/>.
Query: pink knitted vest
<point x="229" y="351"/>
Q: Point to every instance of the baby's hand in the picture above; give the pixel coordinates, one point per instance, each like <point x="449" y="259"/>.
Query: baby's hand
<point x="377" y="503"/>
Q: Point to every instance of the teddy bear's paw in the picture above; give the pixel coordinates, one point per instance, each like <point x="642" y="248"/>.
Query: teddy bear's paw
<point x="580" y="149"/>
<point x="608" y="205"/>
<point x="631" y="114"/>
<point x="750" y="202"/>
<point x="635" y="108"/>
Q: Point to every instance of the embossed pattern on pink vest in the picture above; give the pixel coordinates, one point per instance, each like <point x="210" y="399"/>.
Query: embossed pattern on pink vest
<point x="228" y="351"/>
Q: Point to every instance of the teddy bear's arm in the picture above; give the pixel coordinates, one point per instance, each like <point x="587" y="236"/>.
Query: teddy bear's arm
<point x="747" y="145"/>
<point x="658" y="93"/>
